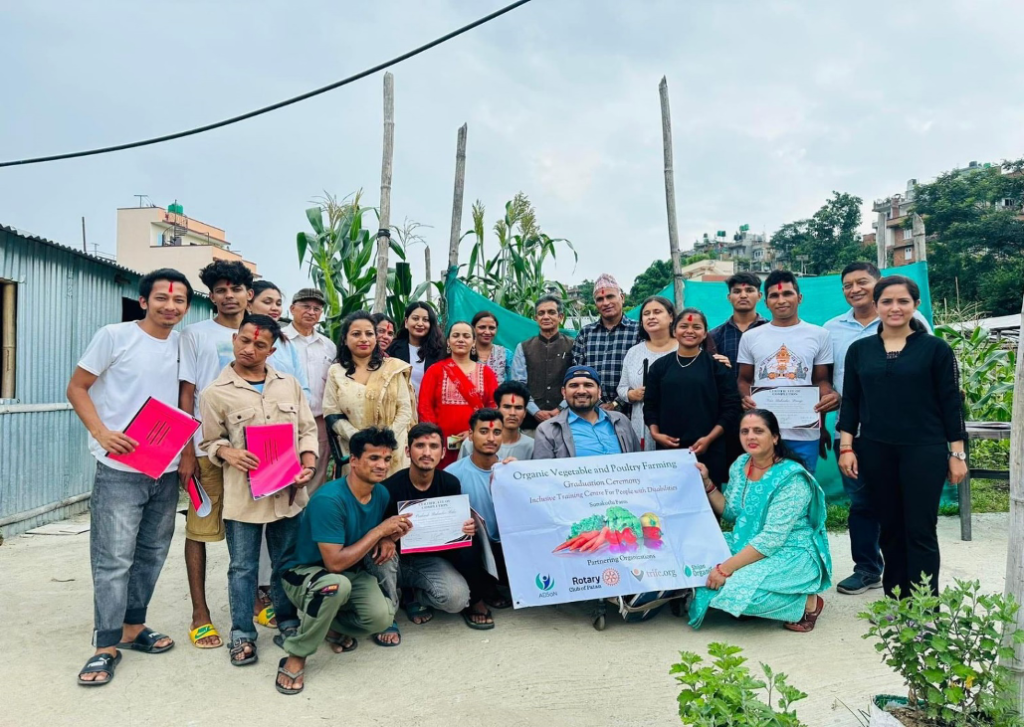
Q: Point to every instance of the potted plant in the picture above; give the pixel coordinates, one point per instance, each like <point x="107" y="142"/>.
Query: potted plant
<point x="724" y="693"/>
<point x="947" y="649"/>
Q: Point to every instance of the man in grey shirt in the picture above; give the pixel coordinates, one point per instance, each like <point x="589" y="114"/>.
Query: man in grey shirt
<point x="511" y="398"/>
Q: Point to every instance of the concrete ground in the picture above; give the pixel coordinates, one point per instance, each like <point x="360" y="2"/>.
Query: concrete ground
<point x="540" y="666"/>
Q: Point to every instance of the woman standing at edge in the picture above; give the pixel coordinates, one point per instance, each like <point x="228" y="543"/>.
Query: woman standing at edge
<point x="364" y="389"/>
<point x="456" y="388"/>
<point x="780" y="557"/>
<point x="691" y="398"/>
<point x="656" y="316"/>
<point x="385" y="327"/>
<point x="901" y="426"/>
<point x="420" y="342"/>
<point x="499" y="358"/>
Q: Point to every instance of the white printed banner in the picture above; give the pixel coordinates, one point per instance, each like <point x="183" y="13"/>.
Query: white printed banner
<point x="593" y="527"/>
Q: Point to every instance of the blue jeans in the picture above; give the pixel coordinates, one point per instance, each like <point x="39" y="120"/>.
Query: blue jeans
<point x="132" y="522"/>
<point x="864" y="527"/>
<point x="807" y="452"/>
<point x="244" y="541"/>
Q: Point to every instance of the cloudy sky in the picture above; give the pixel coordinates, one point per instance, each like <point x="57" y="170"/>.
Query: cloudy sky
<point x="775" y="104"/>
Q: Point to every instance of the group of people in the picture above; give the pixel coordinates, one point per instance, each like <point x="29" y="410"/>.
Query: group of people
<point x="408" y="411"/>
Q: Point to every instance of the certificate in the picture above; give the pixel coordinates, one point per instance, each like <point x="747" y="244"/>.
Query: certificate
<point x="274" y="446"/>
<point x="436" y="524"/>
<point x="161" y="431"/>
<point x="793" y="406"/>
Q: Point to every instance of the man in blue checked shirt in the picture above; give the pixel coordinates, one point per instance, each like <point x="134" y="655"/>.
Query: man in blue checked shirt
<point x="602" y="345"/>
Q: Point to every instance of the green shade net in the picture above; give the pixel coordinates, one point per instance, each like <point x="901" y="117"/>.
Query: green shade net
<point x="822" y="300"/>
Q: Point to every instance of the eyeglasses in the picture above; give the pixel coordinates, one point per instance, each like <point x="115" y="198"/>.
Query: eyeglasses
<point x="310" y="308"/>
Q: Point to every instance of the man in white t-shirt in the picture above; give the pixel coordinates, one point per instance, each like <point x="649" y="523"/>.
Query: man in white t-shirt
<point x="132" y="514"/>
<point x="317" y="353"/>
<point x="205" y="349"/>
<point x="788" y="352"/>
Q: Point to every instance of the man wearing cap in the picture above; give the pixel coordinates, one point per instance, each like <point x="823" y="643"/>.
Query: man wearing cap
<point x="585" y="428"/>
<point x="602" y="345"/>
<point x="317" y="352"/>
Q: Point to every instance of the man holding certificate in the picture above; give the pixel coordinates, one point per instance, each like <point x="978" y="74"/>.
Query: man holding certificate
<point x="446" y="570"/>
<point x="788" y="353"/>
<point x="236" y="409"/>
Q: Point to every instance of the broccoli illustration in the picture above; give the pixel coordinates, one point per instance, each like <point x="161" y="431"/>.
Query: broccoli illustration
<point x="619" y="518"/>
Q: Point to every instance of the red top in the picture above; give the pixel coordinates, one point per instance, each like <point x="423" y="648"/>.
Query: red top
<point x="448" y="398"/>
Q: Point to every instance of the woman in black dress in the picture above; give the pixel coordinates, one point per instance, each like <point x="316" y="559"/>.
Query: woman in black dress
<point x="901" y="429"/>
<point x="691" y="399"/>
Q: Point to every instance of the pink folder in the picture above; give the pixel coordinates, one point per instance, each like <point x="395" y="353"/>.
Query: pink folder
<point x="161" y="431"/>
<point x="274" y="446"/>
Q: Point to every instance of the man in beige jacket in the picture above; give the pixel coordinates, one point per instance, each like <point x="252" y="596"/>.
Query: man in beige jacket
<point x="249" y="393"/>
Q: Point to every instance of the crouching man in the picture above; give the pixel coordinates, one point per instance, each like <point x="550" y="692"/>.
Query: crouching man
<point x="448" y="580"/>
<point x="327" y="575"/>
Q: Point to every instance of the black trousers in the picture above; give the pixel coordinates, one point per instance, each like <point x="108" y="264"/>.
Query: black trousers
<point x="905" y="486"/>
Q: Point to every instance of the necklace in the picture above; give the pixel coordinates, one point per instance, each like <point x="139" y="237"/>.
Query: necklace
<point x="746" y="480"/>
<point x="692" y="359"/>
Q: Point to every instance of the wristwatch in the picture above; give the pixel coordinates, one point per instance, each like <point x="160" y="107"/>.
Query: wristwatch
<point x="962" y="456"/>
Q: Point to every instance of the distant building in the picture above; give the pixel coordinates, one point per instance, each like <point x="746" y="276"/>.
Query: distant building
<point x="892" y="222"/>
<point x="154" y="237"/>
<point x="52" y="300"/>
<point x="749" y="250"/>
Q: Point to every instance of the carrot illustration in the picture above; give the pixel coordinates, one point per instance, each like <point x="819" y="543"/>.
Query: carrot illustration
<point x="585" y="540"/>
<point x="597" y="542"/>
<point x="569" y="543"/>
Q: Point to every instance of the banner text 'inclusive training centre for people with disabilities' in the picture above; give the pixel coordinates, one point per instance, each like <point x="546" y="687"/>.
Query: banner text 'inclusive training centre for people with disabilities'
<point x="595" y="527"/>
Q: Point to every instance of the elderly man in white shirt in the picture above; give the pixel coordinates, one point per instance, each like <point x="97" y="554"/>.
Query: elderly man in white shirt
<point x="317" y="353"/>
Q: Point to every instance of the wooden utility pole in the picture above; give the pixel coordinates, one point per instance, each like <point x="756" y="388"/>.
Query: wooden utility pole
<point x="7" y="310"/>
<point x="678" y="287"/>
<point x="1015" y="552"/>
<point x="380" y="292"/>
<point x="460" y="188"/>
<point x="426" y="273"/>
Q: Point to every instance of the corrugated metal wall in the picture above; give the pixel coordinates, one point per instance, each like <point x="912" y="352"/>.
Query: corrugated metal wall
<point x="63" y="297"/>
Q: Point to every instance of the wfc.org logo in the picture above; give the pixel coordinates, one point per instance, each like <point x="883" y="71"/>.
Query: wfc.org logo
<point x="544" y="582"/>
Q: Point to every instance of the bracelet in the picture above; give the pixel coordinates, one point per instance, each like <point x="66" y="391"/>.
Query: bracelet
<point x="710" y="489"/>
<point x="722" y="572"/>
<point x="848" y="450"/>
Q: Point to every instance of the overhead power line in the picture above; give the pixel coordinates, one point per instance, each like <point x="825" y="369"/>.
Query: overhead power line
<point x="275" y="106"/>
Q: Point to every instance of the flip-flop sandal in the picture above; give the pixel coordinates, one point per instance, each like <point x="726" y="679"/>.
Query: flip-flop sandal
<point x="146" y="642"/>
<point x="238" y="648"/>
<point x="99" y="663"/>
<point x="467" y="616"/>
<point x="340" y="641"/>
<point x="291" y="675"/>
<point x="418" y="610"/>
<point x="201" y="632"/>
<point x="267" y="617"/>
<point x="392" y="629"/>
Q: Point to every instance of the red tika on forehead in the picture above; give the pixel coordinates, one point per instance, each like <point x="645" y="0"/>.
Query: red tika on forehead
<point x="513" y="399"/>
<point x="257" y="332"/>
<point x="689" y="317"/>
<point x="170" y="287"/>
<point x="779" y="287"/>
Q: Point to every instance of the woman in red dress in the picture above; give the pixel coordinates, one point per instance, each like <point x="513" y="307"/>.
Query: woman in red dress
<point x="455" y="388"/>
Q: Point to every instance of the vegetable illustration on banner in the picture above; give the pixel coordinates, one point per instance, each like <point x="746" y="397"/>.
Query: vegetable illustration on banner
<point x="605" y="526"/>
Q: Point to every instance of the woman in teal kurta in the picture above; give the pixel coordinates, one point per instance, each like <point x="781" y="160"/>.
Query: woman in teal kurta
<point x="780" y="557"/>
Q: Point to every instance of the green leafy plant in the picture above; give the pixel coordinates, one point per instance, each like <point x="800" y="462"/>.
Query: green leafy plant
<point x="986" y="372"/>
<point x="340" y="255"/>
<point x="947" y="649"/>
<point x="725" y="693"/>
<point x="513" y="275"/>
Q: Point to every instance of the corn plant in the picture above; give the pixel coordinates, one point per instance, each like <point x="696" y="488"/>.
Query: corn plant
<point x="986" y="372"/>
<point x="513" y="276"/>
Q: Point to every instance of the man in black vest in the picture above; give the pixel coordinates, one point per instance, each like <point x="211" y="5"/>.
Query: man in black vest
<point x="542" y="361"/>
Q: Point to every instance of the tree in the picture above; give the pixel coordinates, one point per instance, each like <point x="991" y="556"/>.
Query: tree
<point x="829" y="240"/>
<point x="977" y="255"/>
<point x="650" y="282"/>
